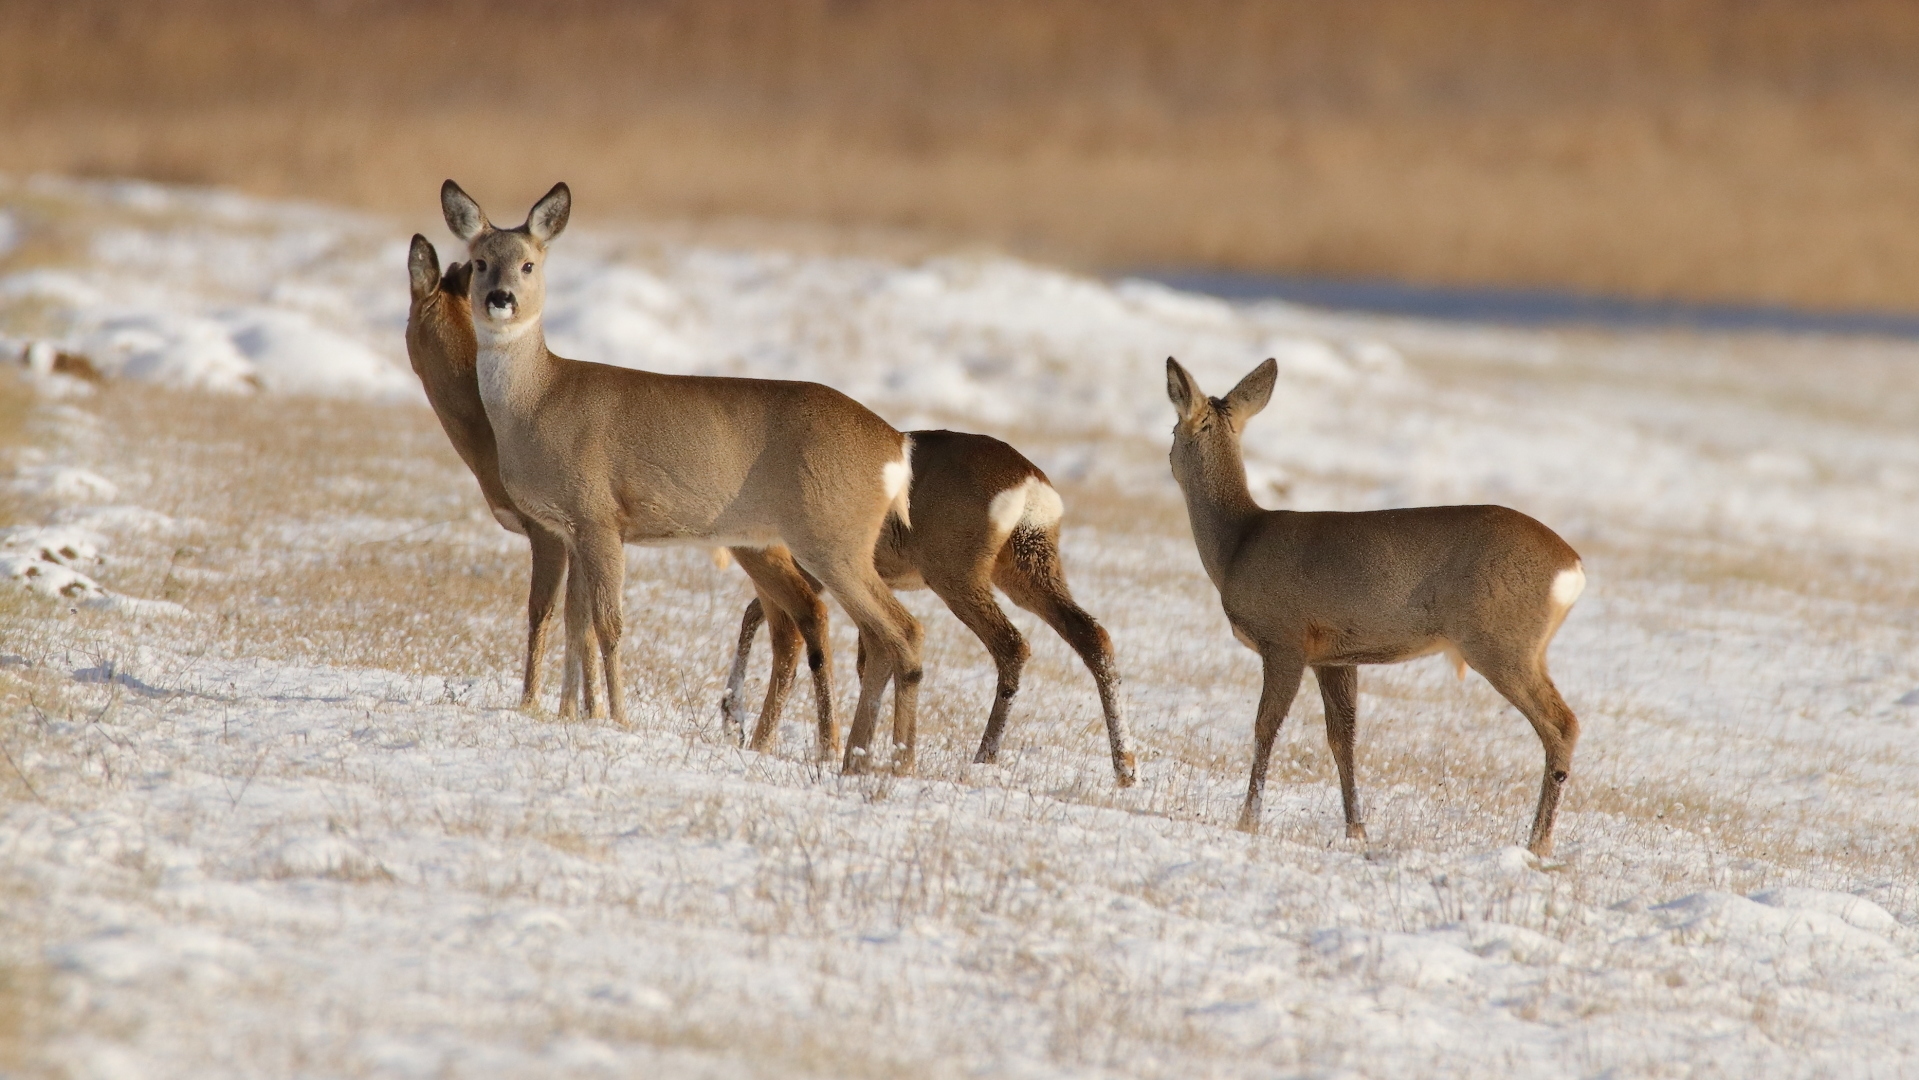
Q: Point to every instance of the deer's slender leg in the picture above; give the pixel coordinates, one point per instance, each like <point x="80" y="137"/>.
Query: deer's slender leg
<point x="732" y="709"/>
<point x="971" y="600"/>
<point x="789" y="591"/>
<point x="1339" y="692"/>
<point x="599" y="560"/>
<point x="786" y="642"/>
<point x="1520" y="677"/>
<point x="1282" y="675"/>
<point x="543" y="594"/>
<point x="891" y="637"/>
<point x="1029" y="571"/>
<point x="580" y="684"/>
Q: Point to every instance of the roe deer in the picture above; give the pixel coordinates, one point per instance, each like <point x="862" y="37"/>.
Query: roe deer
<point x="602" y="454"/>
<point x="441" y="347"/>
<point x="981" y="515"/>
<point x="443" y="350"/>
<point x="1486" y="585"/>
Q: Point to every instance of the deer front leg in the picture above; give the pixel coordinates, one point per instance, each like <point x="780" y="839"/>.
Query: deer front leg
<point x="543" y="595"/>
<point x="580" y="683"/>
<point x="599" y="559"/>
<point x="1283" y="671"/>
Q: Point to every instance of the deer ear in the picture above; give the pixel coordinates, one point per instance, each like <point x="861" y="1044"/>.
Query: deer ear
<point x="548" y="217"/>
<point x="422" y="266"/>
<point x="1252" y="393"/>
<point x="458" y="279"/>
<point x="1184" y="393"/>
<point x="463" y="215"/>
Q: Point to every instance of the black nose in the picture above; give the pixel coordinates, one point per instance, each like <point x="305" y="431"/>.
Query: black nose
<point x="500" y="298"/>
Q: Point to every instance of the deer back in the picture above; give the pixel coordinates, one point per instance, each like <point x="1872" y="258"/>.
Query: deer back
<point x="1377" y="586"/>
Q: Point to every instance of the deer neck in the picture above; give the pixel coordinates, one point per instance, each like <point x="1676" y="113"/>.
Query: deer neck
<point x="514" y="367"/>
<point x="1219" y="506"/>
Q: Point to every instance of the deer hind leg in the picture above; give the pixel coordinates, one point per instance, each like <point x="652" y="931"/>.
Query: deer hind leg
<point x="1030" y="573"/>
<point x="732" y="709"/>
<point x="543" y="594"/>
<point x="1339" y="692"/>
<point x="1522" y="680"/>
<point x="793" y="607"/>
<point x="890" y="641"/>
<point x="971" y="600"/>
<point x="599" y="559"/>
<point x="1283" y="671"/>
<point x="785" y="637"/>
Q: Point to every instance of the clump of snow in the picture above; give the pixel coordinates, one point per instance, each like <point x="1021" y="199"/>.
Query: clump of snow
<point x="63" y="483"/>
<point x="48" y="561"/>
<point x="56" y="562"/>
<point x="290" y="352"/>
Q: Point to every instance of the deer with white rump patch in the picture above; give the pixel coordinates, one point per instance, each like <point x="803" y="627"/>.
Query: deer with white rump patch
<point x="443" y="350"/>
<point x="1486" y="585"/>
<point x="981" y="515"/>
<point x="603" y="455"/>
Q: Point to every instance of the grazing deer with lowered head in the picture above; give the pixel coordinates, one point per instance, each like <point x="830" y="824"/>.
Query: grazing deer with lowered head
<point x="603" y="455"/>
<point x="443" y="350"/>
<point x="981" y="515"/>
<point x="1486" y="585"/>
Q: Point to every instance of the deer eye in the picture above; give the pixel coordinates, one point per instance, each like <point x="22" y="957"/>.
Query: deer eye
<point x="480" y="265"/>
<point x="527" y="269"/>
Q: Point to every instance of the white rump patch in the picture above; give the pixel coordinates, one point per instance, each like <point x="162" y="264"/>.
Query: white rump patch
<point x="1032" y="503"/>
<point x="896" y="477"/>
<point x="1043" y="506"/>
<point x="1568" y="584"/>
<point x="1006" y="508"/>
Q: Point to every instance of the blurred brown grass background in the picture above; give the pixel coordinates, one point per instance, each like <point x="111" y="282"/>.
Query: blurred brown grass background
<point x="1756" y="150"/>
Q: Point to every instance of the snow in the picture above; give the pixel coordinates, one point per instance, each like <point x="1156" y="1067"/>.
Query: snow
<point x="239" y="862"/>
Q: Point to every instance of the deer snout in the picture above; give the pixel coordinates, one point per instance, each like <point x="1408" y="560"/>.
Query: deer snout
<point x="501" y="305"/>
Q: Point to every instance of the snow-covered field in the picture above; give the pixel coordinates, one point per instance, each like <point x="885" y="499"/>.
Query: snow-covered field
<point x="266" y="807"/>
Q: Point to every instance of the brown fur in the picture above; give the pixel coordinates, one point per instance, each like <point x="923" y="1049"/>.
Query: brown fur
<point x="440" y="345"/>
<point x="1334" y="590"/>
<point x="952" y="547"/>
<point x="605" y="455"/>
<point x="442" y="349"/>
